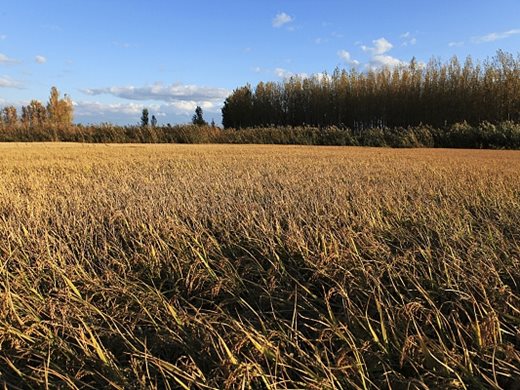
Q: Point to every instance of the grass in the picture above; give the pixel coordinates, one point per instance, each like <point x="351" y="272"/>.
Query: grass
<point x="250" y="267"/>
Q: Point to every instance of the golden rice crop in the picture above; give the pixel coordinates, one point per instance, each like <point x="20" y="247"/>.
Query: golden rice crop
<point x="249" y="267"/>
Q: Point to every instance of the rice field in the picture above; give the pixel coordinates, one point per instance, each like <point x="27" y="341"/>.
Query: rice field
<point x="258" y="267"/>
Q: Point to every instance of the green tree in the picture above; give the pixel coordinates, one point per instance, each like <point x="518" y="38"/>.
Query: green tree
<point x="144" y="117"/>
<point x="154" y="121"/>
<point x="197" y="118"/>
<point x="238" y="108"/>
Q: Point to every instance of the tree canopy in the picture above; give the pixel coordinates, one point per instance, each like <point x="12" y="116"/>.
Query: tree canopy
<point x="435" y="93"/>
<point x="198" y="118"/>
<point x="144" y="117"/>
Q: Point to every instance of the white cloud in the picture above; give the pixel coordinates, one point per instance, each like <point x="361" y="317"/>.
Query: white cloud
<point x="125" y="113"/>
<point x="256" y="69"/>
<point x="344" y="55"/>
<point x="384" y="61"/>
<point x="381" y="46"/>
<point x="87" y="108"/>
<point x="320" y="76"/>
<point x="281" y="19"/>
<point x="495" y="36"/>
<point x="7" y="82"/>
<point x="177" y="102"/>
<point x="408" y="39"/>
<point x="456" y="44"/>
<point x="379" y="57"/>
<point x="184" y="106"/>
<point x="40" y="59"/>
<point x="347" y="58"/>
<point x="7" y="60"/>
<point x="161" y="92"/>
<point x="285" y="74"/>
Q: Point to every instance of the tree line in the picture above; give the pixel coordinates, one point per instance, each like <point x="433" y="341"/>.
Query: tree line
<point x="432" y="105"/>
<point x="437" y="94"/>
<point x="58" y="113"/>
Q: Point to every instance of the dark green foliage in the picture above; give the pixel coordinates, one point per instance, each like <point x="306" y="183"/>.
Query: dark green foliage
<point x="198" y="118"/>
<point x="435" y="94"/>
<point x="238" y="109"/>
<point x="144" y="118"/>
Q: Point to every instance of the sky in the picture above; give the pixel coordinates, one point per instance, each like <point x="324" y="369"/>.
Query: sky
<point x="113" y="57"/>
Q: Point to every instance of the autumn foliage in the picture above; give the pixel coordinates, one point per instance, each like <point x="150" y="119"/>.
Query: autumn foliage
<point x="58" y="114"/>
<point x="436" y="94"/>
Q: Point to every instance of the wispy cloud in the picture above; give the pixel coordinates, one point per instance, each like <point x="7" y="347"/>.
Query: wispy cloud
<point x="161" y="92"/>
<point x="319" y="41"/>
<point x="283" y="73"/>
<point x="40" y="59"/>
<point x="408" y="39"/>
<point x="456" y="44"/>
<point x="281" y="19"/>
<point x="7" y="82"/>
<point x="3" y="37"/>
<point x="347" y="58"/>
<point x="495" y="36"/>
<point x="7" y="60"/>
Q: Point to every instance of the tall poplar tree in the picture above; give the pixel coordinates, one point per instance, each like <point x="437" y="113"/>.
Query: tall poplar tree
<point x="59" y="111"/>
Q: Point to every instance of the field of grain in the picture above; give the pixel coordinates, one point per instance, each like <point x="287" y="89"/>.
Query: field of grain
<point x="251" y="267"/>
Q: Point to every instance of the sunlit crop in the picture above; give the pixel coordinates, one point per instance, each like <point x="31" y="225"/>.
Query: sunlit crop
<point x="250" y="267"/>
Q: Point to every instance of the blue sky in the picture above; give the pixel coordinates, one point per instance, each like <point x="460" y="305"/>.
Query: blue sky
<point x="114" y="57"/>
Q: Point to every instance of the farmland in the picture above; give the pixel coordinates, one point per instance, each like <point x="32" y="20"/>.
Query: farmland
<point x="241" y="266"/>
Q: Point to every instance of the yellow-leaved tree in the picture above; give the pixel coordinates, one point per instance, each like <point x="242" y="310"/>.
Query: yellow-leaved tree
<point x="59" y="111"/>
